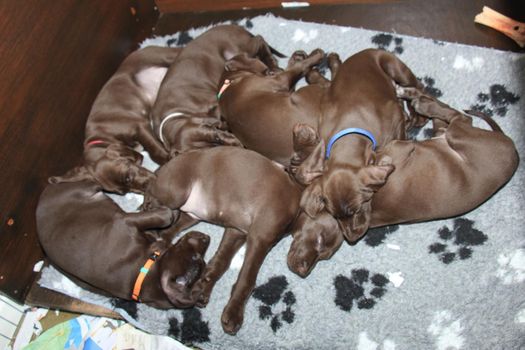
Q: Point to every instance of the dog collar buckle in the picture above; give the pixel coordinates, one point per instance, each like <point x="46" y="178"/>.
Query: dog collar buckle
<point x="142" y="275"/>
<point x="225" y="85"/>
<point x="344" y="132"/>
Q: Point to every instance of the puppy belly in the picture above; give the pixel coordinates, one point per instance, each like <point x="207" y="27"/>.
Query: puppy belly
<point x="196" y="204"/>
<point x="149" y="79"/>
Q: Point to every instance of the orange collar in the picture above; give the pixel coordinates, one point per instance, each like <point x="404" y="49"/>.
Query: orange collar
<point x="223" y="88"/>
<point x="142" y="275"/>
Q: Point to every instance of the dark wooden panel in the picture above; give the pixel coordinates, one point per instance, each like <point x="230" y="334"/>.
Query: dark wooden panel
<point x="42" y="297"/>
<point x="166" y="6"/>
<point x="448" y="20"/>
<point x="54" y="58"/>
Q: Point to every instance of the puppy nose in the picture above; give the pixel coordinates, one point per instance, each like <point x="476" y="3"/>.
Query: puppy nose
<point x="302" y="268"/>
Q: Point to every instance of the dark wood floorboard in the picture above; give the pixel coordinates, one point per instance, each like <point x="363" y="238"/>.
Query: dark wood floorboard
<point x="54" y="58"/>
<point x="447" y="20"/>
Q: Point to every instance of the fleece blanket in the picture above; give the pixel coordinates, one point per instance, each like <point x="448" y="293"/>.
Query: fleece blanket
<point x="457" y="283"/>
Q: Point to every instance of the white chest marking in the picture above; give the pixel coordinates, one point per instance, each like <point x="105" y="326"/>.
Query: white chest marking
<point x="196" y="204"/>
<point x="149" y="79"/>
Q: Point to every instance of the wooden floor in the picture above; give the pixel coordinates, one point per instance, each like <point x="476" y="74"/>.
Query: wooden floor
<point x="54" y="58"/>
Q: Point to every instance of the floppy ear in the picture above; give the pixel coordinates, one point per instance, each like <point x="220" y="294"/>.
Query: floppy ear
<point x="359" y="223"/>
<point x="175" y="289"/>
<point x="375" y="176"/>
<point x="313" y="165"/>
<point x="79" y="173"/>
<point x="116" y="151"/>
<point x="312" y="200"/>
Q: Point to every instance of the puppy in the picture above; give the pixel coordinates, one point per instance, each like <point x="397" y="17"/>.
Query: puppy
<point x="185" y="115"/>
<point x="86" y="235"/>
<point x="261" y="110"/>
<point x="119" y="123"/>
<point x="253" y="197"/>
<point x="465" y="166"/>
<point x="360" y="114"/>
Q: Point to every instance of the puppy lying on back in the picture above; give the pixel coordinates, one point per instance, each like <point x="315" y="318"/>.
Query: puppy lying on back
<point x="86" y="235"/>
<point x="448" y="175"/>
<point x="261" y="110"/>
<point x="119" y="124"/>
<point x="253" y="197"/>
<point x="185" y="116"/>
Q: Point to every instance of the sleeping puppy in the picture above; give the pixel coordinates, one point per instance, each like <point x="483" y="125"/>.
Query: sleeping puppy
<point x="185" y="115"/>
<point x="464" y="166"/>
<point x="119" y="124"/>
<point x="360" y="114"/>
<point x="261" y="110"/>
<point x="87" y="236"/>
<point x="253" y="197"/>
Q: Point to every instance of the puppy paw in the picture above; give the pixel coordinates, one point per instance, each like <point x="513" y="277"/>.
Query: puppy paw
<point x="201" y="292"/>
<point x="298" y="55"/>
<point x="407" y="93"/>
<point x="232" y="319"/>
<point x="333" y="59"/>
<point x="228" y="139"/>
<point x="317" y="54"/>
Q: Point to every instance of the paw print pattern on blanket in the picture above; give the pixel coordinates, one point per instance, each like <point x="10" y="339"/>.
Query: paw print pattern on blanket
<point x="246" y="23"/>
<point x="354" y="289"/>
<point x="430" y="86"/>
<point x="181" y="40"/>
<point x="496" y="102"/>
<point x="463" y="236"/>
<point x="271" y="293"/>
<point x="129" y="306"/>
<point x="377" y="236"/>
<point x="385" y="41"/>
<point x="192" y="329"/>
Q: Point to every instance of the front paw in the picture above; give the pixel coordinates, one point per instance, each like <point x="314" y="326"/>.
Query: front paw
<point x="407" y="93"/>
<point x="232" y="319"/>
<point x="228" y="139"/>
<point x="201" y="292"/>
<point x="297" y="56"/>
<point x="316" y="55"/>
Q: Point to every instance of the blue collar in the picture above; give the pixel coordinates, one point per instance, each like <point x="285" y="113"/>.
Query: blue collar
<point x="344" y="132"/>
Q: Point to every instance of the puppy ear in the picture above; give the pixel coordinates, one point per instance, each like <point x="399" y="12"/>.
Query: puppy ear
<point x="312" y="200"/>
<point x="375" y="176"/>
<point x="175" y="289"/>
<point x="79" y="173"/>
<point x="359" y="223"/>
<point x="116" y="151"/>
<point x="313" y="165"/>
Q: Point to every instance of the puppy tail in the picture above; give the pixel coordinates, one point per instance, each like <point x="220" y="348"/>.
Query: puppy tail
<point x="491" y="122"/>
<point x="277" y="53"/>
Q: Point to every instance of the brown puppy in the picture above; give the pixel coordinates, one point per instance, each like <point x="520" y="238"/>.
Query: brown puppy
<point x="360" y="111"/>
<point x="261" y="110"/>
<point x="119" y="123"/>
<point x="465" y="166"/>
<point x="253" y="197"/>
<point x="185" y="115"/>
<point x="85" y="234"/>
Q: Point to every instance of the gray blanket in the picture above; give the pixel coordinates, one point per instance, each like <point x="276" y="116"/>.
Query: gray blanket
<point x="450" y="284"/>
